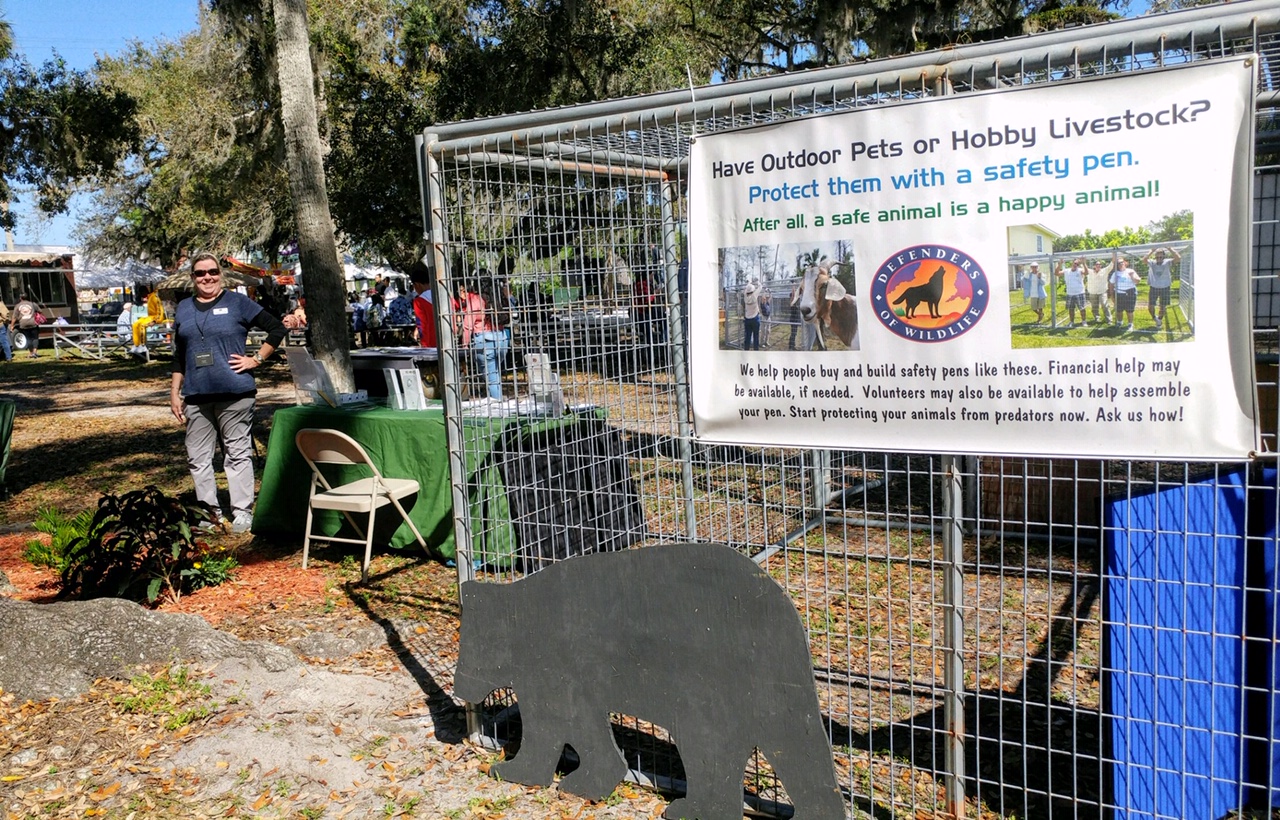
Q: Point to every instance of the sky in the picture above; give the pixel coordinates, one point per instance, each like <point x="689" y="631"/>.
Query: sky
<point x="78" y="30"/>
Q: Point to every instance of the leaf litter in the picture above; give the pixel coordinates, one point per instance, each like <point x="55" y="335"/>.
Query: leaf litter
<point x="354" y="735"/>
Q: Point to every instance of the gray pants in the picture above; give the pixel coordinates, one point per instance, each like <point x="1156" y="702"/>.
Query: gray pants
<point x="232" y="422"/>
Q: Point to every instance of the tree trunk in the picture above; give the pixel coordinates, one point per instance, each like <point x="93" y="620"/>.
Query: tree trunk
<point x="322" y="276"/>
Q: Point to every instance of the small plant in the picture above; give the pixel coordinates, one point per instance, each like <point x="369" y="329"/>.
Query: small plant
<point x="62" y="531"/>
<point x="210" y="569"/>
<point x="171" y="694"/>
<point x="139" y="546"/>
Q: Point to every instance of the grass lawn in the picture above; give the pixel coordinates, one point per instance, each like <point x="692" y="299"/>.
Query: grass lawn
<point x="1055" y="332"/>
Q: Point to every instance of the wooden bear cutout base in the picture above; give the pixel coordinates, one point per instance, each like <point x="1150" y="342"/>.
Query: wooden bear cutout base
<point x="692" y="637"/>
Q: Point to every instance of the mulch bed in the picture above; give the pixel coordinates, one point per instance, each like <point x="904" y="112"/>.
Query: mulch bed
<point x="260" y="582"/>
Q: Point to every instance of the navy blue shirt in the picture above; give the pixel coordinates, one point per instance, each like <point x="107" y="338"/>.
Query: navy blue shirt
<point x="220" y="329"/>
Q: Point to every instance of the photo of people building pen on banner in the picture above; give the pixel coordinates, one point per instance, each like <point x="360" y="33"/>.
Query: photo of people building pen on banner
<point x="1103" y="285"/>
<point x="797" y="296"/>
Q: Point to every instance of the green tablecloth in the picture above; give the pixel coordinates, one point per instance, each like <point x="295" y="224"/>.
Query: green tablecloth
<point x="413" y="444"/>
<point x="403" y="443"/>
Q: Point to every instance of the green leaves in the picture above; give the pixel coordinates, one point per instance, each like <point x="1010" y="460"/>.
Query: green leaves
<point x="58" y="127"/>
<point x="139" y="546"/>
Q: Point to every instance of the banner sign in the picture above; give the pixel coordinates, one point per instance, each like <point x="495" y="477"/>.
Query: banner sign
<point x="1056" y="270"/>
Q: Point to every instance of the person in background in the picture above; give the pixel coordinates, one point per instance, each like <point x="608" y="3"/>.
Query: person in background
<point x="1160" y="282"/>
<point x="212" y="389"/>
<point x="1033" y="290"/>
<point x="400" y="311"/>
<point x="499" y="310"/>
<point x="6" y="349"/>
<point x="355" y="309"/>
<point x="124" y="322"/>
<point x="1073" y="277"/>
<point x="1097" y="284"/>
<point x="794" y="319"/>
<point x="751" y="316"/>
<point x="644" y="306"/>
<point x="486" y="342"/>
<point x="375" y="316"/>
<point x="155" y="315"/>
<point x="766" y="313"/>
<point x="1124" y="283"/>
<point x="24" y="319"/>
<point x="296" y="319"/>
<point x="424" y="305"/>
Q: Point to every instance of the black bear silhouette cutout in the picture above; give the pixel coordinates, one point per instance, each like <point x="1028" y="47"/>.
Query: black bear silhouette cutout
<point x="692" y="637"/>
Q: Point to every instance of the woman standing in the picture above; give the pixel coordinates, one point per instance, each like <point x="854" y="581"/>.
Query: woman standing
<point x="480" y="335"/>
<point x="213" y="388"/>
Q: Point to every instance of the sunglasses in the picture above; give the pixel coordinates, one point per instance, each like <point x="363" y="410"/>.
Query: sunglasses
<point x="205" y="273"/>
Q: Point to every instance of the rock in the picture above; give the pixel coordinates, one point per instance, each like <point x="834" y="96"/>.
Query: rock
<point x="24" y="757"/>
<point x="57" y="650"/>
<point x="6" y="588"/>
<point x="331" y="647"/>
<point x="324" y="646"/>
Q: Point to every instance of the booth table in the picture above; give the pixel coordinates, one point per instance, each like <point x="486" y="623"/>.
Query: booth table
<point x="575" y="490"/>
<point x="403" y="444"/>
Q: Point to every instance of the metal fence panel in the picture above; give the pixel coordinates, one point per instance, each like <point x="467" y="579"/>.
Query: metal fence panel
<point x="991" y="636"/>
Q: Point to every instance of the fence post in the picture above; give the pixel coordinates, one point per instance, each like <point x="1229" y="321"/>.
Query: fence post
<point x="953" y="632"/>
<point x="436" y="236"/>
<point x="675" y="344"/>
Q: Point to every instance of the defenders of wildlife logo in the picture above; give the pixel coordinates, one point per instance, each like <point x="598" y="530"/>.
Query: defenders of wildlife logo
<point x="930" y="293"/>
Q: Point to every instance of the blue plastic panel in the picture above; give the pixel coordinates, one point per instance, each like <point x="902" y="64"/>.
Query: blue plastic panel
<point x="1174" y="643"/>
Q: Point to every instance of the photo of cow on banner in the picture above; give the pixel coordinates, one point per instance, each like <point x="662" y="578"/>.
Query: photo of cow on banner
<point x="805" y="292"/>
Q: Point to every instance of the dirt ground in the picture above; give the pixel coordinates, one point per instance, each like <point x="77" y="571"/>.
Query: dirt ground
<point x="365" y="724"/>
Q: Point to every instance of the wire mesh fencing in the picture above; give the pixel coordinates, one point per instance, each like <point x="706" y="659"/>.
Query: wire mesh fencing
<point x="991" y="636"/>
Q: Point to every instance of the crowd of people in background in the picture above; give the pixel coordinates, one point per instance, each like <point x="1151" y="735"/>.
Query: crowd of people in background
<point x="391" y="312"/>
<point x="387" y="315"/>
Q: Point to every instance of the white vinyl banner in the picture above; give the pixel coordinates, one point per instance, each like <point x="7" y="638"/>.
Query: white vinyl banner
<point x="1057" y="270"/>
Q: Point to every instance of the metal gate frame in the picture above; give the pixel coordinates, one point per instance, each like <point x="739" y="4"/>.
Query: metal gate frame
<point x="1012" y="544"/>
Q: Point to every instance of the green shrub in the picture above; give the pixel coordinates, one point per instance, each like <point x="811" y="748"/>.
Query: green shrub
<point x="139" y="546"/>
<point x="61" y="531"/>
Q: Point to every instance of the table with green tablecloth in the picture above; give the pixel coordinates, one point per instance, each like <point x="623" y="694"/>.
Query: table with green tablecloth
<point x="543" y="457"/>
<point x="404" y="444"/>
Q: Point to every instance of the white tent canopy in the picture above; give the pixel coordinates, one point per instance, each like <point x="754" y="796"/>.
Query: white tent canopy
<point x="355" y="272"/>
<point x="99" y="275"/>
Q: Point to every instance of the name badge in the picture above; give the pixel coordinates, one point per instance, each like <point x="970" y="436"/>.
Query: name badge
<point x="220" y="311"/>
<point x="204" y="359"/>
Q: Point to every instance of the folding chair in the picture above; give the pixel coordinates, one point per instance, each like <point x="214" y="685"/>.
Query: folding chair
<point x="364" y="495"/>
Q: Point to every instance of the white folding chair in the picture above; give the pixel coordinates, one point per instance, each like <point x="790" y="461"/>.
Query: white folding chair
<point x="364" y="495"/>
